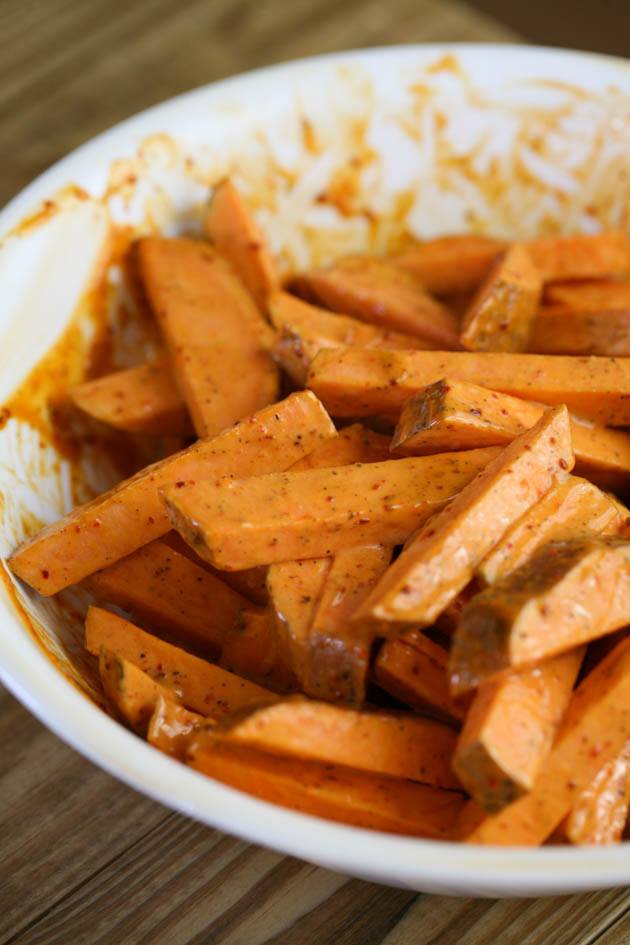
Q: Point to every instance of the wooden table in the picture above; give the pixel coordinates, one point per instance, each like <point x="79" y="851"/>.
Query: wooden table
<point x="83" y="859"/>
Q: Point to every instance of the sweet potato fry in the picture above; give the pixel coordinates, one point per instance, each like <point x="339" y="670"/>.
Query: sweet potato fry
<point x="594" y="731"/>
<point x="294" y="590"/>
<point x="380" y="293"/>
<point x="354" y="382"/>
<point x="567" y="594"/>
<point x="213" y="331"/>
<point x="353" y="444"/>
<point x="502" y="312"/>
<point x="598" y="815"/>
<point x="451" y="415"/>
<point x="557" y="331"/>
<point x="339" y="648"/>
<point x="173" y="595"/>
<point x="233" y="230"/>
<point x="171" y="727"/>
<point x="142" y="399"/>
<point x="441" y="560"/>
<point x="451" y="264"/>
<point x="251" y="584"/>
<point x="334" y="792"/>
<point x="395" y="744"/>
<point x="238" y="524"/>
<point x="250" y="649"/>
<point x="580" y="256"/>
<point x="132" y="692"/>
<point x="198" y="685"/>
<point x="305" y="329"/>
<point x="413" y="669"/>
<point x="132" y="514"/>
<point x="509" y="730"/>
<point x="570" y="510"/>
<point x="595" y="296"/>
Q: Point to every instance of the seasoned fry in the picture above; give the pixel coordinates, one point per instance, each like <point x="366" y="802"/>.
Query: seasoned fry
<point x="570" y="510"/>
<point x="451" y="415"/>
<point x="171" y="727"/>
<point x="599" y="813"/>
<point x="198" y="685"/>
<point x="354" y="382"/>
<point x="173" y="595"/>
<point x="353" y="444"/>
<point x="213" y="331"/>
<point x="451" y="264"/>
<point x="131" y="514"/>
<point x="339" y="648"/>
<point x="414" y="670"/>
<point x="238" y="524"/>
<point x="509" y="730"/>
<point x="557" y="331"/>
<point x="380" y="293"/>
<point x="398" y="745"/>
<point x="133" y="693"/>
<point x="441" y="560"/>
<point x="580" y="256"/>
<point x="142" y="399"/>
<point x="237" y="236"/>
<point x="599" y="707"/>
<point x="567" y="594"/>
<point x="502" y="312"/>
<point x="589" y="296"/>
<point x="250" y="649"/>
<point x="335" y="792"/>
<point x="294" y="590"/>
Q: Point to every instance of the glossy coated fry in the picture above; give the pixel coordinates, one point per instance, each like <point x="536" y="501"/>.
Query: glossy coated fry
<point x="133" y="693"/>
<point x="294" y="589"/>
<point x="593" y="256"/>
<point x="250" y="649"/>
<point x="171" y="727"/>
<point x="599" y="813"/>
<point x="451" y="264"/>
<point x="557" y="331"/>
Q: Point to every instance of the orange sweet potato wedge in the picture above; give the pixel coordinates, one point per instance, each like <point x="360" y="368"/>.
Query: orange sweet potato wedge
<point x="502" y="312"/>
<point x="355" y="382"/>
<point x="294" y="589"/>
<point x="599" y="814"/>
<point x="133" y="693"/>
<point x="334" y="792"/>
<point x="441" y="560"/>
<point x="340" y="649"/>
<point x="604" y="332"/>
<point x="413" y="669"/>
<point x="171" y="727"/>
<point x="213" y="331"/>
<point x="353" y="444"/>
<point x="305" y="329"/>
<point x="451" y="264"/>
<point x="132" y="514"/>
<point x="595" y="256"/>
<point x="142" y="399"/>
<point x="567" y="594"/>
<point x="509" y="730"/>
<point x="594" y="731"/>
<point x="394" y="744"/>
<point x="250" y="649"/>
<point x="597" y="295"/>
<point x="570" y="510"/>
<point x="231" y="227"/>
<point x="238" y="524"/>
<point x="173" y="595"/>
<point x="197" y="684"/>
<point x="451" y="415"/>
<point x="380" y="293"/>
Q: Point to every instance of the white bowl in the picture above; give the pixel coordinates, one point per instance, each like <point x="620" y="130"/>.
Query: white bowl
<point x="506" y="140"/>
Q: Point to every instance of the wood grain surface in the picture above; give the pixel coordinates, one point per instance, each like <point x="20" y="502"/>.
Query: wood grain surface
<point x="83" y="859"/>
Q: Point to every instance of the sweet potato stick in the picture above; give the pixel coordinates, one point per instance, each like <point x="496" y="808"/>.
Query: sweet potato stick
<point x="142" y="399"/>
<point x="556" y="331"/>
<point x="450" y="264"/>
<point x="132" y="514"/>
<point x="413" y="669"/>
<point x="354" y="382"/>
<point x="250" y="649"/>
<point x="315" y="513"/>
<point x="598" y="815"/>
<point x="570" y="510"/>
<point x="334" y="792"/>
<point x="305" y="329"/>
<point x="213" y="331"/>
<point x="237" y="236"/>
<point x="380" y="293"/>
<point x="171" y="727"/>
<point x="294" y="590"/>
<point x="133" y="693"/>
<point x="501" y="314"/>
<point x="200" y="686"/>
<point x="395" y="744"/>
<point x="509" y="730"/>
<point x="441" y="560"/>
<point x="353" y="444"/>
<point x="340" y="649"/>
<point x="173" y="595"/>
<point x="581" y="256"/>
<point x="567" y="594"/>
<point x="451" y="415"/>
<point x="598" y="295"/>
<point x="593" y="732"/>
